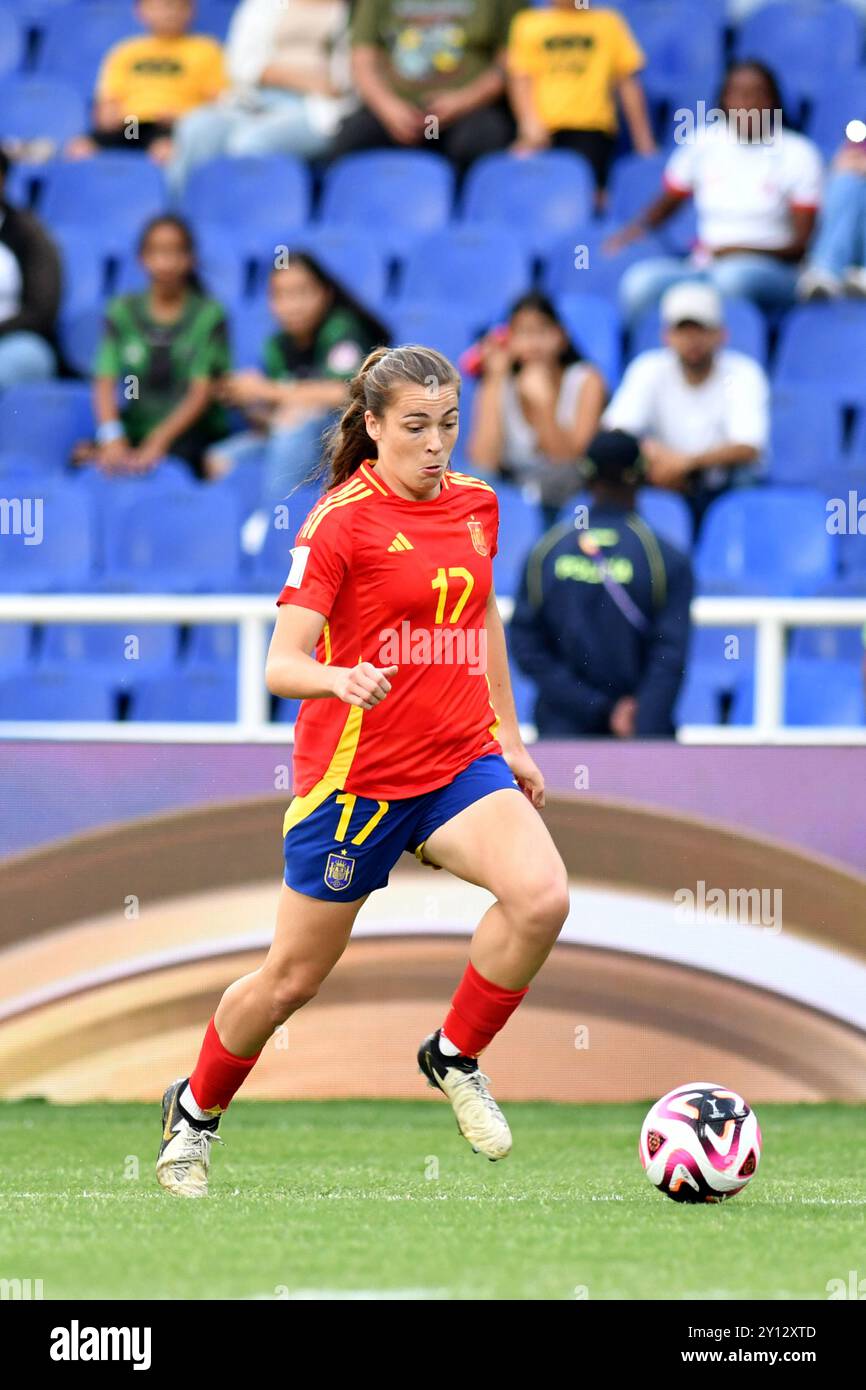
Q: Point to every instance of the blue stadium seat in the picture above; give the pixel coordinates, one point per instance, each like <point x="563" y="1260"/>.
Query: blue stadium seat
<point x="181" y="540"/>
<point x="635" y="181"/>
<point x="724" y="654"/>
<point x="846" y="644"/>
<point x="44" y="419"/>
<point x="287" y="711"/>
<point x="11" y="41"/>
<point x="403" y="194"/>
<point x="212" y="644"/>
<point x="109" y="197"/>
<point x="682" y="40"/>
<point x="16" y="647"/>
<point x="699" y="699"/>
<point x="480" y="266"/>
<point x="75" y="40"/>
<point x="80" y="332"/>
<point x="356" y="259"/>
<point x="843" y="99"/>
<point x="436" y="325"/>
<point x="41" y="108"/>
<point x="250" y="325"/>
<point x="214" y="17"/>
<point x="110" y="495"/>
<point x="271" y="564"/>
<point x="852" y="545"/>
<point x="805" y="41"/>
<point x="593" y="325"/>
<point x="822" y="345"/>
<point x="266" y="195"/>
<point x="520" y="524"/>
<point x="85" y="269"/>
<point x="23" y="469"/>
<point x="51" y="543"/>
<point x="824" y="693"/>
<point x="769" y="540"/>
<point x="805" y="434"/>
<point x="579" y="264"/>
<point x="64" y="694"/>
<point x="190" y="696"/>
<point x="746" y="326"/>
<point x="105" y="649"/>
<point x="538" y="197"/>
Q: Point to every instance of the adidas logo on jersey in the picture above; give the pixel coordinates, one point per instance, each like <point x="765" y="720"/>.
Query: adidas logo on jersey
<point x="400" y="543"/>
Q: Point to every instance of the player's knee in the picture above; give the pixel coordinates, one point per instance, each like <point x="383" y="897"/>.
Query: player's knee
<point x="546" y="901"/>
<point x="290" y="994"/>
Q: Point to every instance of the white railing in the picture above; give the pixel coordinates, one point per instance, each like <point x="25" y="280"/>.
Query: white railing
<point x="255" y="614"/>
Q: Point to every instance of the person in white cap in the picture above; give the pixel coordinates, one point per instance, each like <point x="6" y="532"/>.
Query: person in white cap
<point x="700" y="410"/>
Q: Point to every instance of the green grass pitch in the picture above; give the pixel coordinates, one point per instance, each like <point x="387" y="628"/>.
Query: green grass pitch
<point x="361" y="1199"/>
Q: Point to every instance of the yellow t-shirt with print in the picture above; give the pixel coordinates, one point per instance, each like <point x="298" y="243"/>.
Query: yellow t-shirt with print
<point x="156" y="79"/>
<point x="575" y="58"/>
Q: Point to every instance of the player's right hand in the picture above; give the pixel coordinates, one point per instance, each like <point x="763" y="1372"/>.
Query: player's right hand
<point x="363" y="685"/>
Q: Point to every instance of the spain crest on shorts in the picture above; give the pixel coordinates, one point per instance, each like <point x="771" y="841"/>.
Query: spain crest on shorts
<point x="476" y="532"/>
<point x="338" y="871"/>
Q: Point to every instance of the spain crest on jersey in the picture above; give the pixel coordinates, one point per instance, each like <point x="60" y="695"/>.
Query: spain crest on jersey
<point x="338" y="871"/>
<point x="476" y="532"/>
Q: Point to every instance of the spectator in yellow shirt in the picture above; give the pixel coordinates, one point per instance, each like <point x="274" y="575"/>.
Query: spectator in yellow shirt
<point x="567" y="67"/>
<point x="146" y="83"/>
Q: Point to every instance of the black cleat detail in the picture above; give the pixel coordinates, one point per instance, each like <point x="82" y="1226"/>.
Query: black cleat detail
<point x="172" y="1111"/>
<point x="432" y="1063"/>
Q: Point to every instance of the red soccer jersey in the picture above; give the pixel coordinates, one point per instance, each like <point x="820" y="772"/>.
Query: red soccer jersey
<point x="406" y="584"/>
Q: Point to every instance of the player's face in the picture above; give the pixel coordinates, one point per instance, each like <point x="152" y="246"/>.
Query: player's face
<point x="534" y="338"/>
<point x="416" y="434"/>
<point x="166" y="257"/>
<point x="166" y="18"/>
<point x="746" y="90"/>
<point x="694" y="344"/>
<point x="298" y="300"/>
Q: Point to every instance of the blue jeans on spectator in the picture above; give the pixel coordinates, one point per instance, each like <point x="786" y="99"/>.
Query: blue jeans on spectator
<point x="769" y="282"/>
<point x="25" y="357"/>
<point x="280" y="124"/>
<point x="284" y="458"/>
<point x="840" y="240"/>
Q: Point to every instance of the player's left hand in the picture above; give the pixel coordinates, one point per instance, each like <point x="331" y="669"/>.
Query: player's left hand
<point x="527" y="773"/>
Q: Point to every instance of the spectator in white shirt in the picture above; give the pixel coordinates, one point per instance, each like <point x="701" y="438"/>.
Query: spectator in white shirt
<point x="757" y="188"/>
<point x="700" y="410"/>
<point x="288" y="61"/>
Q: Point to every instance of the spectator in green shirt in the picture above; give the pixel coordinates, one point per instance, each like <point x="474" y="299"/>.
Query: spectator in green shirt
<point x="323" y="336"/>
<point x="431" y="76"/>
<point x="161" y="355"/>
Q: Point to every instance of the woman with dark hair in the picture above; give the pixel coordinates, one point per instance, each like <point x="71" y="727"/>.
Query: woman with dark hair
<point x="538" y="405"/>
<point x="407" y="740"/>
<point x="323" y="335"/>
<point x="756" y="186"/>
<point x="162" y="352"/>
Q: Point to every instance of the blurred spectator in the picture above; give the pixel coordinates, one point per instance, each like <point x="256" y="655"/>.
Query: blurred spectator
<point x="289" y="67"/>
<point x="837" y="259"/>
<point x="413" y="61"/>
<point x="29" y="292"/>
<point x="700" y="410"/>
<point x="324" y="335"/>
<point x="161" y="353"/>
<point x="567" y="67"/>
<point x="148" y="82"/>
<point x="756" y="187"/>
<point x="538" y="404"/>
<point x="601" y="622"/>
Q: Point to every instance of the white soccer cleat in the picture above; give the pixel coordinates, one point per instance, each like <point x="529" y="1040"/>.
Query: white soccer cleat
<point x="184" y="1154"/>
<point x="479" y="1118"/>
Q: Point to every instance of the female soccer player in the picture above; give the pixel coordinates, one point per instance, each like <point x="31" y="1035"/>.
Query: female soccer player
<point x="407" y="739"/>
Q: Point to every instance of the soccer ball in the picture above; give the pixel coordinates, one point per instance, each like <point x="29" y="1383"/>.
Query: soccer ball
<point x="700" y="1143"/>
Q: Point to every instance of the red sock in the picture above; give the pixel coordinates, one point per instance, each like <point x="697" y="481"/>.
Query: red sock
<point x="218" y="1073"/>
<point x="479" y="1009"/>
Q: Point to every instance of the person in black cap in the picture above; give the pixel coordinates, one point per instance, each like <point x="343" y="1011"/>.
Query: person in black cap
<point x="601" y="621"/>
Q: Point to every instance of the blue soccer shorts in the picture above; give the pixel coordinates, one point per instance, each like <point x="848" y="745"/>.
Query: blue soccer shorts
<point x="341" y="846"/>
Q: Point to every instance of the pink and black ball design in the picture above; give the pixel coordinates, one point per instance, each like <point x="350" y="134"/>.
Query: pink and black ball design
<point x="700" y="1143"/>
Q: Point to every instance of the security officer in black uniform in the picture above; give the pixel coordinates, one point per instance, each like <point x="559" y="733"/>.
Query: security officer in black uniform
<point x="601" y="622"/>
